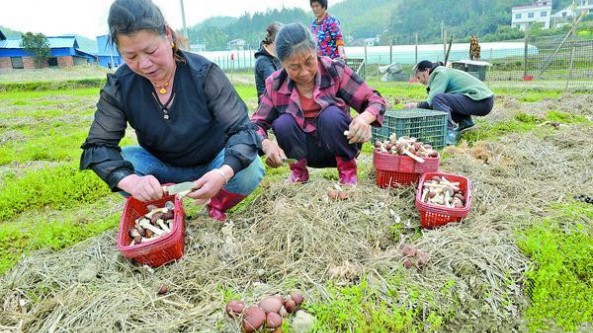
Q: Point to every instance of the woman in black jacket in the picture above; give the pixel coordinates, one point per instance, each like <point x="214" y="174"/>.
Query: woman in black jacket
<point x="188" y="119"/>
<point x="266" y="62"/>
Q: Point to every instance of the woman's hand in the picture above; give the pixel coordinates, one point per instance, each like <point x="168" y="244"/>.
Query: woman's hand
<point x="143" y="188"/>
<point x="275" y="156"/>
<point x="341" y="53"/>
<point x="210" y="184"/>
<point x="411" y="106"/>
<point x="359" y="130"/>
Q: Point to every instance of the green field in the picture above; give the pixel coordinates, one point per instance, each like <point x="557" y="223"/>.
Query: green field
<point x="521" y="261"/>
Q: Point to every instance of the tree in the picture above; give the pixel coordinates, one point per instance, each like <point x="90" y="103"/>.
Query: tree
<point x="38" y="46"/>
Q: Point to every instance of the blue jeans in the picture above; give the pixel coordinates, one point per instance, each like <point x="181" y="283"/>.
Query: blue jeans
<point x="244" y="182"/>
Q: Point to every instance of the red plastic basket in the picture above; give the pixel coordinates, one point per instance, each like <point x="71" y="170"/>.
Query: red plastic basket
<point x="161" y="250"/>
<point x="435" y="215"/>
<point x="393" y="170"/>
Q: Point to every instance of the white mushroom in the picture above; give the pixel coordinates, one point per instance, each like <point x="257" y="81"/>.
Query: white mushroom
<point x="154" y="211"/>
<point x="163" y="226"/>
<point x="146" y="225"/>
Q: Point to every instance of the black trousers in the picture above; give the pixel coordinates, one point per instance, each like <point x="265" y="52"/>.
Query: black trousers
<point x="320" y="147"/>
<point x="460" y="106"/>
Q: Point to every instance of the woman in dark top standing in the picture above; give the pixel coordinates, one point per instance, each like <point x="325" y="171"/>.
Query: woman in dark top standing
<point x="189" y="121"/>
<point x="266" y="62"/>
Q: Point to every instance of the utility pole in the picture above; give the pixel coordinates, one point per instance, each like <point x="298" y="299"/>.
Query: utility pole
<point x="183" y="20"/>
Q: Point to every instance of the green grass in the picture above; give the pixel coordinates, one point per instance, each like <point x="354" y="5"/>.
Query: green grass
<point x="54" y="230"/>
<point x="561" y="280"/>
<point x="369" y="308"/>
<point x="57" y="187"/>
<point x="520" y="123"/>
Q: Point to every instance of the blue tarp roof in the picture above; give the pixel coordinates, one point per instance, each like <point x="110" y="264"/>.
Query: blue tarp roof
<point x="54" y="42"/>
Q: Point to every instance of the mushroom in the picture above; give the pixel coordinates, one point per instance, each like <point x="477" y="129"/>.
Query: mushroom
<point x="163" y="226"/>
<point x="154" y="211"/>
<point x="146" y="225"/>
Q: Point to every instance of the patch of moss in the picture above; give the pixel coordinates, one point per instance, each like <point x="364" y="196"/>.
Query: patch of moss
<point x="362" y="307"/>
<point x="565" y="117"/>
<point x="560" y="283"/>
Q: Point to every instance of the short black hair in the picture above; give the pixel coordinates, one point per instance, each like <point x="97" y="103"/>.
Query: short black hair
<point x="271" y="31"/>
<point x="427" y="64"/>
<point x="323" y="3"/>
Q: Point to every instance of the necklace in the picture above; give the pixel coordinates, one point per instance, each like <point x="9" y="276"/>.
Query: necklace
<point x="163" y="88"/>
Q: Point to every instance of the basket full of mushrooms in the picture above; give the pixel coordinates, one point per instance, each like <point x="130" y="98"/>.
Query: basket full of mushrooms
<point x="152" y="233"/>
<point x="402" y="161"/>
<point x="442" y="198"/>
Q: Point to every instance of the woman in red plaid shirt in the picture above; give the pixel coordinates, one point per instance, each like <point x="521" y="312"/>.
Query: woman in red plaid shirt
<point x="307" y="106"/>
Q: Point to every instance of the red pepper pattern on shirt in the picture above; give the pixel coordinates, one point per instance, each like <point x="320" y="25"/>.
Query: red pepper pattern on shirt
<point x="328" y="35"/>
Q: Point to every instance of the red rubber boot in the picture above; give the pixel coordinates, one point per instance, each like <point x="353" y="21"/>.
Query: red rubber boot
<point x="221" y="202"/>
<point x="299" y="174"/>
<point x="347" y="171"/>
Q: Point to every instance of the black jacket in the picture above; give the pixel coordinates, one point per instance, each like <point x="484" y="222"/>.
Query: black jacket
<point x="265" y="64"/>
<point x="205" y="116"/>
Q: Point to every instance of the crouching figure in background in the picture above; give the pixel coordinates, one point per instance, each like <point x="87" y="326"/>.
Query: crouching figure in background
<point x="455" y="92"/>
<point x="307" y="105"/>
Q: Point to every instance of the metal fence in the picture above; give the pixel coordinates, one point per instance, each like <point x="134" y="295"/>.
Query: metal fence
<point x="558" y="62"/>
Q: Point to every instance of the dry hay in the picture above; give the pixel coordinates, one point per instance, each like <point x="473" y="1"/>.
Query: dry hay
<point x="292" y="238"/>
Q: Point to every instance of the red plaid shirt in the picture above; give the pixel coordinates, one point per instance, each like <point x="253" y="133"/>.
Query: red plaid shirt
<point x="335" y="84"/>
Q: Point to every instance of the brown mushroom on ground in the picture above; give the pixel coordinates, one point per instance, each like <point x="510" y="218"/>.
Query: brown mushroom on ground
<point x="408" y="263"/>
<point x="235" y="308"/>
<point x="254" y="317"/>
<point x="270" y="304"/>
<point x="273" y="320"/>
<point x="337" y="195"/>
<point x="290" y="306"/>
<point x="297" y="298"/>
<point x="163" y="289"/>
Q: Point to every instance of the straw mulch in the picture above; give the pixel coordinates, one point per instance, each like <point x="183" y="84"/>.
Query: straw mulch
<point x="294" y="239"/>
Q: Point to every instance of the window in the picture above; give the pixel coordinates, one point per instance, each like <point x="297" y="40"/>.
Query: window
<point x="17" y="62"/>
<point x="52" y="62"/>
<point x="517" y="16"/>
<point x="530" y="15"/>
<point x="544" y="14"/>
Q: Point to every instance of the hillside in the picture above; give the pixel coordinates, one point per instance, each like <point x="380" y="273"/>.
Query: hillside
<point x="362" y="19"/>
<point x="394" y="20"/>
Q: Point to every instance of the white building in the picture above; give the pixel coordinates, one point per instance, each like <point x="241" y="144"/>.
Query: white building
<point x="538" y="12"/>
<point x="236" y="44"/>
<point x="566" y="15"/>
<point x="584" y="4"/>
